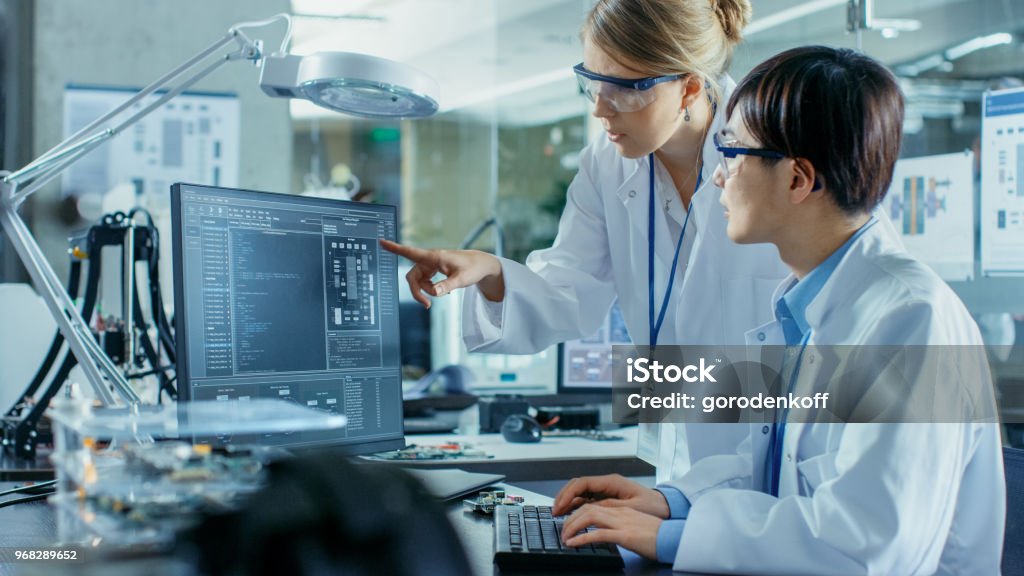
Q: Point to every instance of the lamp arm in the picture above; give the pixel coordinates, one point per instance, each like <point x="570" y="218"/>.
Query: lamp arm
<point x="62" y="160"/>
<point x="41" y="171"/>
<point x="99" y="370"/>
<point x="62" y="310"/>
<point x="25" y="173"/>
<point x="18" y="177"/>
<point x="260" y="23"/>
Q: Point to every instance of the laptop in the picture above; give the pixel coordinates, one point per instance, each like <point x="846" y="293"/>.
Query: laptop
<point x="451" y="483"/>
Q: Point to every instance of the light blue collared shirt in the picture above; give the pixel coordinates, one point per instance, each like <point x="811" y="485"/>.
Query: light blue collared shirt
<point x="790" y="310"/>
<point x="671" y="530"/>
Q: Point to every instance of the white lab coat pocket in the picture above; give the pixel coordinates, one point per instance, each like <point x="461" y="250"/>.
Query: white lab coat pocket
<point x="814" y="471"/>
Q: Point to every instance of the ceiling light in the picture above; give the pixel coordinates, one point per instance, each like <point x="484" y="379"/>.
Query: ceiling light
<point x="979" y="43"/>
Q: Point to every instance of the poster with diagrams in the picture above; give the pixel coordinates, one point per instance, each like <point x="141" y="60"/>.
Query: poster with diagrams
<point x="931" y="203"/>
<point x="1002" y="183"/>
<point x="193" y="138"/>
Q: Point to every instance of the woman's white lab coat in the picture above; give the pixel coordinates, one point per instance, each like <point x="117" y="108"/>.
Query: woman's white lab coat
<point x="863" y="498"/>
<point x="601" y="252"/>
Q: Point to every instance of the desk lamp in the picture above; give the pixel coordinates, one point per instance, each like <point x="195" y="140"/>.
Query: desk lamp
<point x="344" y="82"/>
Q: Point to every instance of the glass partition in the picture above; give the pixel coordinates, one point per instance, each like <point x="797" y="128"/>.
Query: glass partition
<point x="505" y="145"/>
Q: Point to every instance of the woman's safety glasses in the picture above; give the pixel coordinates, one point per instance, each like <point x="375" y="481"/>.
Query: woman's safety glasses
<point x="621" y="94"/>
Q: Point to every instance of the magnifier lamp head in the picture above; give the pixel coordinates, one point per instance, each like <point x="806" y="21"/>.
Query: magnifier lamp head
<point x="350" y="83"/>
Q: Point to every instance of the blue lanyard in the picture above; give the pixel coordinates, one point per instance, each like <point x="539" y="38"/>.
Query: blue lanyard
<point x="655" y="327"/>
<point x="779" y="427"/>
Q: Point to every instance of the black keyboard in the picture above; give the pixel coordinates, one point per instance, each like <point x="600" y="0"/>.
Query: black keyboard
<point x="529" y="537"/>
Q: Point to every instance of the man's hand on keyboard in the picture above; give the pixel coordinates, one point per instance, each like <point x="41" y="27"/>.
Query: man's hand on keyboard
<point x="625" y="527"/>
<point x="613" y="491"/>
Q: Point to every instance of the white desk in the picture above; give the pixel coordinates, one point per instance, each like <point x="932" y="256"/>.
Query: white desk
<point x="550" y="459"/>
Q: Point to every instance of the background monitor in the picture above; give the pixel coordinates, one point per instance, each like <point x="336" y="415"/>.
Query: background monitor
<point x="414" y="324"/>
<point x="289" y="297"/>
<point x="585" y="365"/>
<point x="492" y="373"/>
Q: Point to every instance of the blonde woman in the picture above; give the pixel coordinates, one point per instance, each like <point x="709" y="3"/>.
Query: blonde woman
<point x="641" y="222"/>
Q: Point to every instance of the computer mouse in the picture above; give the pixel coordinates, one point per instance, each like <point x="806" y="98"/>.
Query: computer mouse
<point x="521" y="428"/>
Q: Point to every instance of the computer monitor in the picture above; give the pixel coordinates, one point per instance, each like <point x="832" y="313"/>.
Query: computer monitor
<point x="289" y="297"/>
<point x="585" y="365"/>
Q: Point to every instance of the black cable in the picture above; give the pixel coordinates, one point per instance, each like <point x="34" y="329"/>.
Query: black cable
<point x="27" y="499"/>
<point x="140" y="210"/>
<point x="150" y="350"/>
<point x="163" y="326"/>
<point x="158" y="370"/>
<point x="160" y="321"/>
<point x="28" y="488"/>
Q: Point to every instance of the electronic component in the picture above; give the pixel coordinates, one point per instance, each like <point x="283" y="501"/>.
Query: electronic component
<point x="485" y="502"/>
<point x="452" y="450"/>
<point x="596" y="435"/>
<point x="121" y="479"/>
<point x="146" y="492"/>
<point x="569" y="417"/>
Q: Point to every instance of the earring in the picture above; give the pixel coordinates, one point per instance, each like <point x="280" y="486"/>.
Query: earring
<point x="686" y="115"/>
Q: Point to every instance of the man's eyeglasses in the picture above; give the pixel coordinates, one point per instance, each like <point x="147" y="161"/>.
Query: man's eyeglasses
<point x="621" y="94"/>
<point x="728" y="152"/>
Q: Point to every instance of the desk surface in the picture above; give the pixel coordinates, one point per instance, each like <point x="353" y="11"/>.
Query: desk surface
<point x="580" y="456"/>
<point x="550" y="447"/>
<point x="14" y="470"/>
<point x="551" y="458"/>
<point x="33" y="525"/>
<point x="554" y="458"/>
